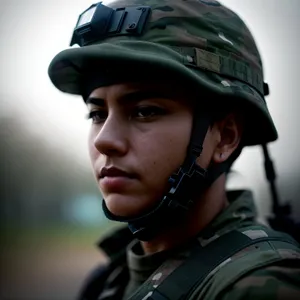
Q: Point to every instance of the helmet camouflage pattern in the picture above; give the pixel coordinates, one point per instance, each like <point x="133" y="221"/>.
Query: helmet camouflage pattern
<point x="201" y="43"/>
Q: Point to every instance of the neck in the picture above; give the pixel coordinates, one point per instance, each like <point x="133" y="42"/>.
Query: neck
<point x="206" y="208"/>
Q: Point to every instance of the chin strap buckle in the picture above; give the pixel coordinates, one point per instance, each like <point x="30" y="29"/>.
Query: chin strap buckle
<point x="183" y="184"/>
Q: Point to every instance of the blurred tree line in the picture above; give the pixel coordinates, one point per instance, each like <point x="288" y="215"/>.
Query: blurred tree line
<point x="37" y="177"/>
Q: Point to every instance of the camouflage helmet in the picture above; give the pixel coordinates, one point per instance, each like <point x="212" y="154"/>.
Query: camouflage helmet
<point x="201" y="43"/>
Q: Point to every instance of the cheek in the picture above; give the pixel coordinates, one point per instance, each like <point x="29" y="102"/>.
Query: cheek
<point x="164" y="152"/>
<point x="93" y="152"/>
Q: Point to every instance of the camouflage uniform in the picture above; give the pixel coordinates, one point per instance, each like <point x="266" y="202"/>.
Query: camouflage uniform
<point x="210" y="50"/>
<point x="268" y="270"/>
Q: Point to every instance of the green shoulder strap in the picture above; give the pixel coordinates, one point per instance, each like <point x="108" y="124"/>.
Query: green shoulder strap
<point x="179" y="281"/>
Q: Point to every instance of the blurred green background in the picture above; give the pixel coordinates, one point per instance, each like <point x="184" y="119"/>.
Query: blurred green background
<point x="50" y="209"/>
<point x="51" y="218"/>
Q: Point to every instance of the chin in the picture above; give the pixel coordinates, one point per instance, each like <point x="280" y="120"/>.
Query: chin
<point x="126" y="206"/>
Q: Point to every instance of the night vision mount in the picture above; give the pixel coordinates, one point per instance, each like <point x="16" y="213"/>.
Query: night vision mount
<point x="99" y="21"/>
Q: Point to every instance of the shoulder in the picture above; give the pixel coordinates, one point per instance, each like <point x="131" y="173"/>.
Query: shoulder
<point x="281" y="281"/>
<point x="258" y="269"/>
<point x="253" y="276"/>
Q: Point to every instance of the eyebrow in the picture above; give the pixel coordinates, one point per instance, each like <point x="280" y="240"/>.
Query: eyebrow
<point x="135" y="96"/>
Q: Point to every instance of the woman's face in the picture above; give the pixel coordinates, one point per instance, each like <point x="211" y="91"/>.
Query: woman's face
<point x="138" y="138"/>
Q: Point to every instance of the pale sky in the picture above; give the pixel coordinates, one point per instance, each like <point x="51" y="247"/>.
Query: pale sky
<point x="33" y="31"/>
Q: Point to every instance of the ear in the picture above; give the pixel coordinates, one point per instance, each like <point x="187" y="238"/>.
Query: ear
<point x="230" y="130"/>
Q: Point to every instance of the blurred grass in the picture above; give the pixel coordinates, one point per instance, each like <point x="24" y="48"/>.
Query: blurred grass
<point x="77" y="235"/>
<point x="48" y="261"/>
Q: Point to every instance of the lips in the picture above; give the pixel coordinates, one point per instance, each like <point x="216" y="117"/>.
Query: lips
<point x="114" y="180"/>
<point x="114" y="172"/>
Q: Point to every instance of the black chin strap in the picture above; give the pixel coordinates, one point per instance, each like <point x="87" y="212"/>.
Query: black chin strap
<point x="188" y="182"/>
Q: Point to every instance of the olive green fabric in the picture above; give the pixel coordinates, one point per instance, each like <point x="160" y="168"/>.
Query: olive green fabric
<point x="202" y="44"/>
<point x="268" y="270"/>
<point x="141" y="265"/>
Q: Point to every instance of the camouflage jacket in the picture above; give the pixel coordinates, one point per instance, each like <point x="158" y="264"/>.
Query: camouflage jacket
<point x="266" y="270"/>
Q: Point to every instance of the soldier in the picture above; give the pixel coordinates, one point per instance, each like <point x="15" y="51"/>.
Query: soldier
<point x="175" y="91"/>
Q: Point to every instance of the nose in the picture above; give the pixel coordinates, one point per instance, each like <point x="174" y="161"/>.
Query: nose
<point x="111" y="139"/>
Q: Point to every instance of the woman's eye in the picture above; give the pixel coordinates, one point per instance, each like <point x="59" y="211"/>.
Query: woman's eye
<point x="144" y="112"/>
<point x="97" y="116"/>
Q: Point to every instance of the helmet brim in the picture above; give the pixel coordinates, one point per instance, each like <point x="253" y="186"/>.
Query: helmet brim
<point x="131" y="60"/>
